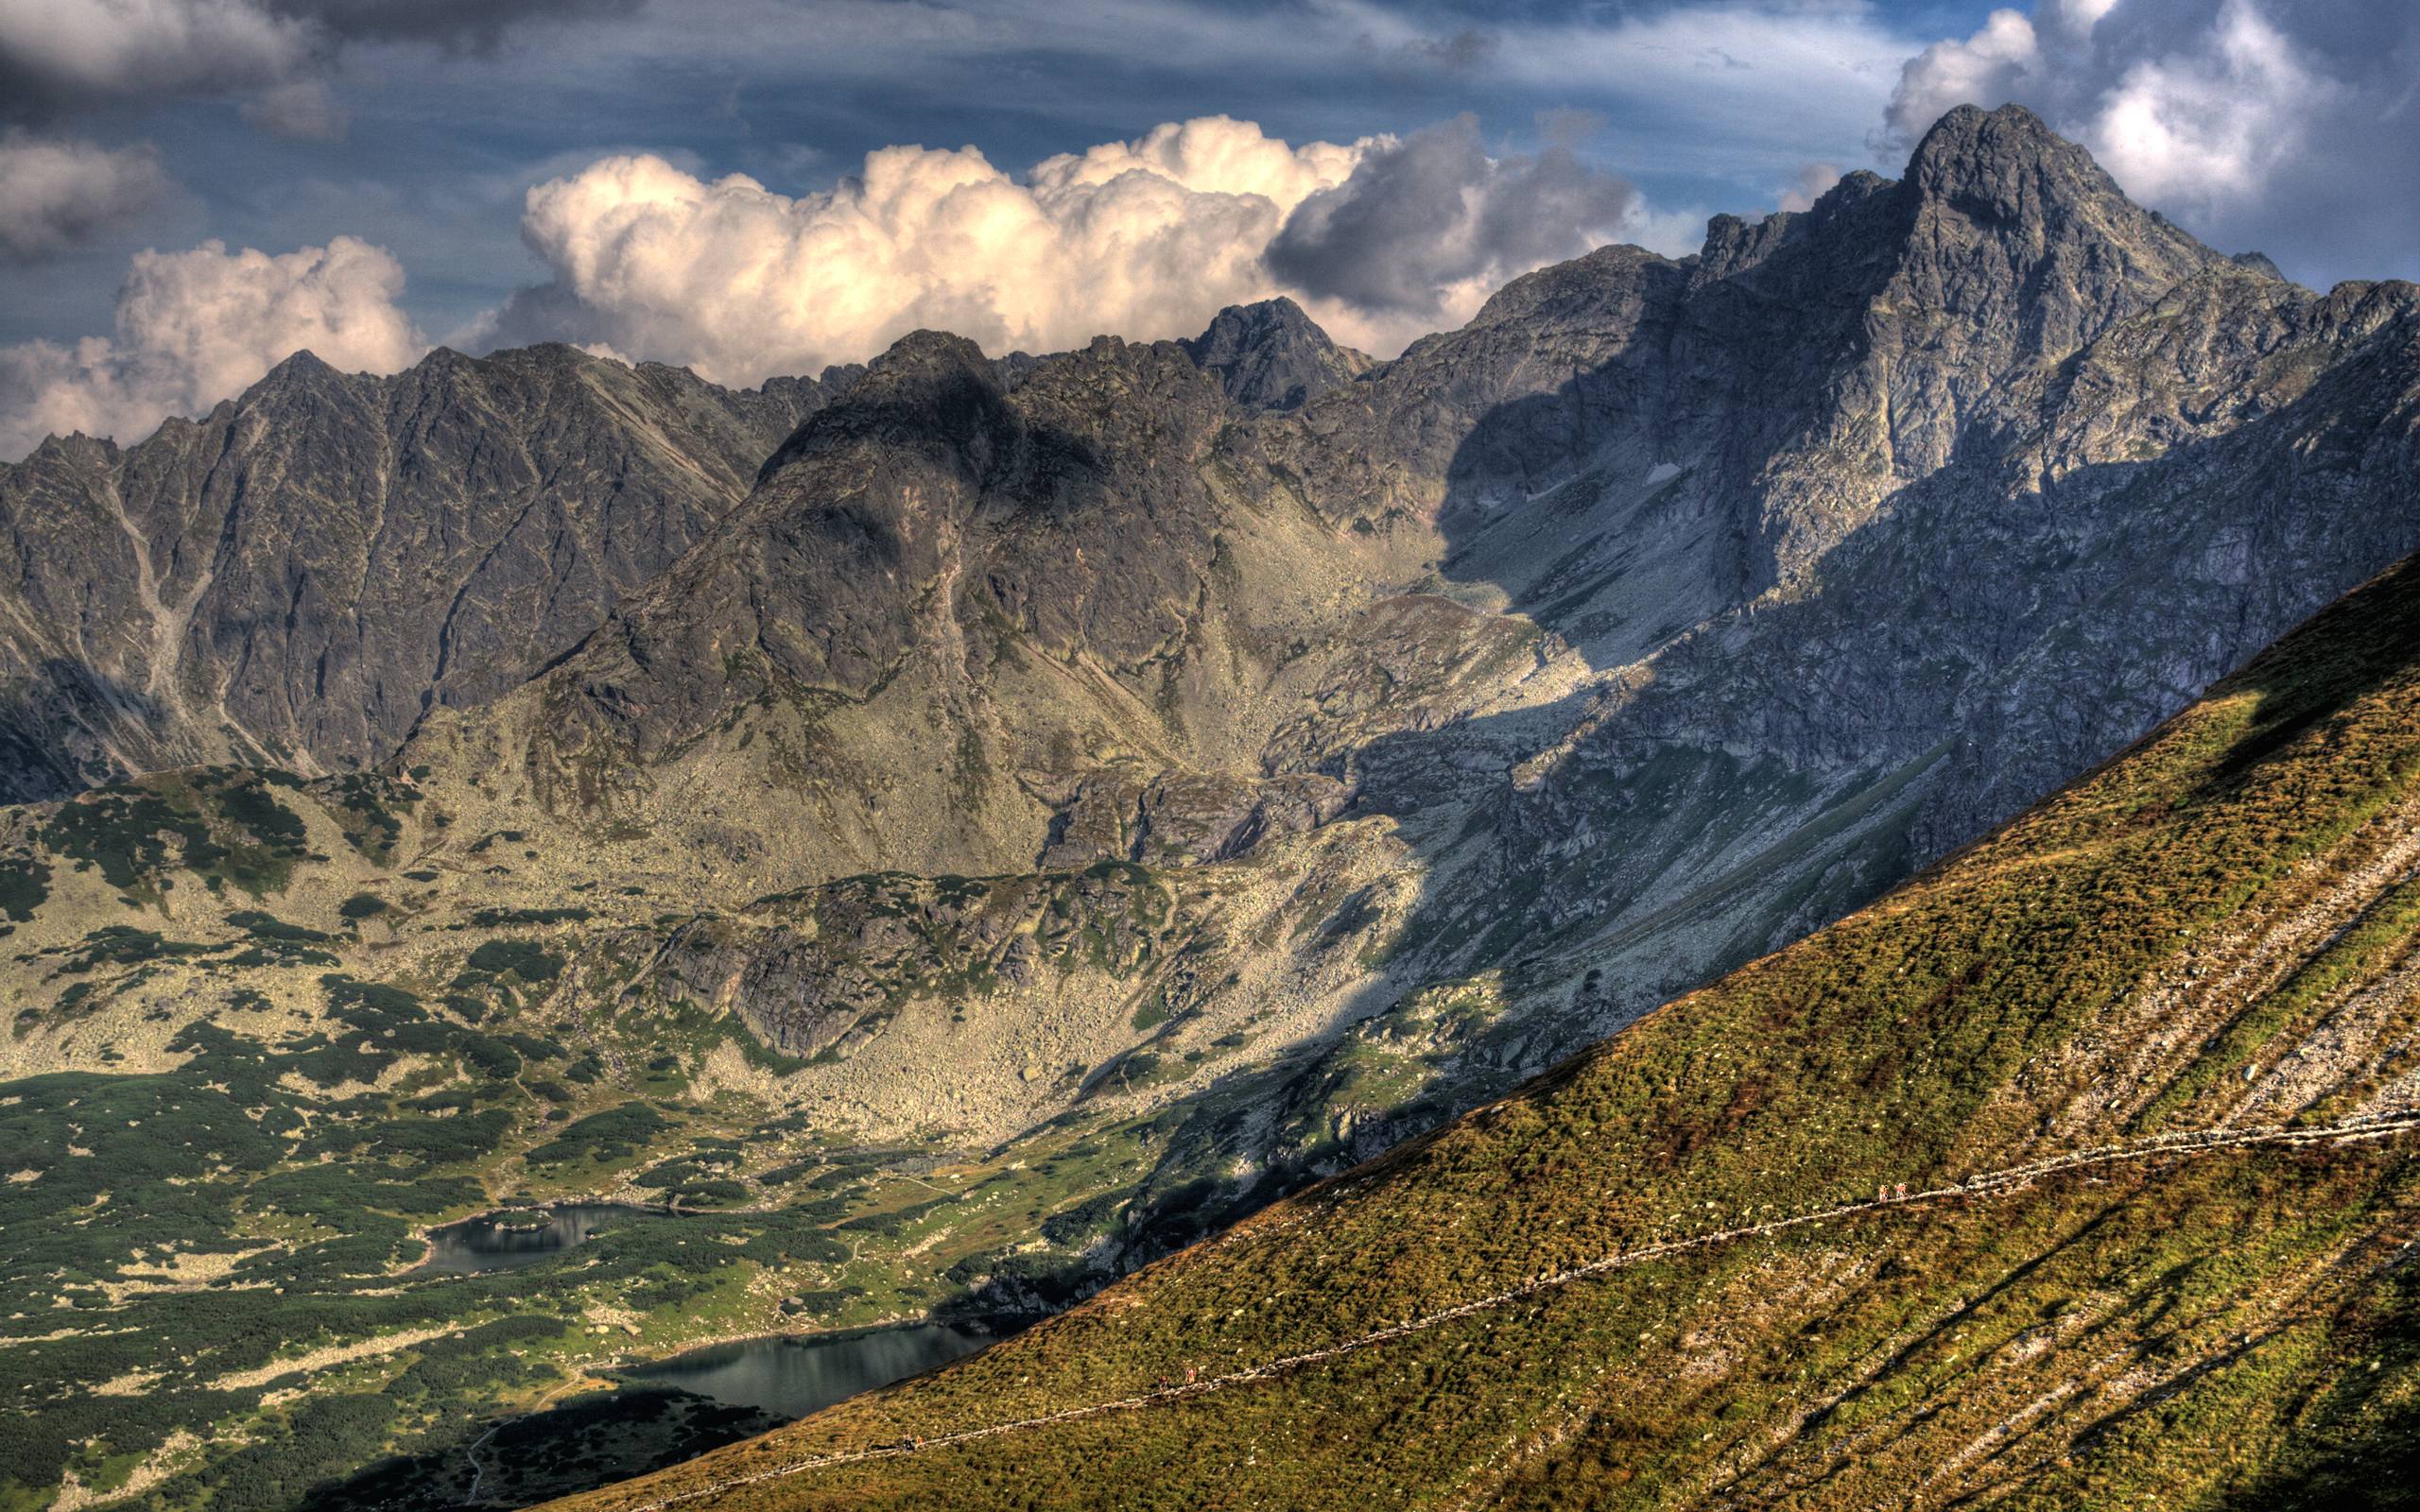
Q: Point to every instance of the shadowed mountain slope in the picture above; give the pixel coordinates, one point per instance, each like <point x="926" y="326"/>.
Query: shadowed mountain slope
<point x="2186" y="957"/>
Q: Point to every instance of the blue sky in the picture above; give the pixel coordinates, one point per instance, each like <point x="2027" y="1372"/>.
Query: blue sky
<point x="419" y="125"/>
<point x="440" y="143"/>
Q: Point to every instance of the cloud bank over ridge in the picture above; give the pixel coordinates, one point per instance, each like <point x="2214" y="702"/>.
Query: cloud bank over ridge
<point x="2287" y="128"/>
<point x="1381" y="239"/>
<point x="197" y="327"/>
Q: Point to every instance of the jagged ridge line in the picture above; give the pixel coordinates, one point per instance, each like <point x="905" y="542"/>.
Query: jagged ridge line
<point x="2194" y="1142"/>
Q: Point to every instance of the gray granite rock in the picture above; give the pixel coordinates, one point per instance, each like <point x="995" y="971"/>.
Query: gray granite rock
<point x="298" y="576"/>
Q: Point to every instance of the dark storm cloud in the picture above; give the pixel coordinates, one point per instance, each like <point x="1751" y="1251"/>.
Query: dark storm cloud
<point x="56" y="194"/>
<point x="277" y="59"/>
<point x="1435" y="210"/>
<point x="73" y="55"/>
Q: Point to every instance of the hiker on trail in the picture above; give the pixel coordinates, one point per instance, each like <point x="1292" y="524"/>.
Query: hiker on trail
<point x="1903" y="1192"/>
<point x="1190" y="1373"/>
<point x="1882" y="1193"/>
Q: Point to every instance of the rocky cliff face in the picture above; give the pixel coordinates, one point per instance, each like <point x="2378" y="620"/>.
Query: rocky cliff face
<point x="297" y="578"/>
<point x="1664" y="611"/>
<point x="2103" y="535"/>
<point x="1270" y="356"/>
<point x="1751" y="406"/>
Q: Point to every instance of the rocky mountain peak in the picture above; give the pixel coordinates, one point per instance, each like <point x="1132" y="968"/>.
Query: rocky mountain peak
<point x="925" y="369"/>
<point x="921" y="354"/>
<point x="2002" y="233"/>
<point x="1271" y="356"/>
<point x="2015" y="223"/>
<point x="1972" y="149"/>
<point x="930" y="389"/>
<point x="302" y="378"/>
<point x="1585" y="290"/>
<point x="303" y="365"/>
<point x="544" y="356"/>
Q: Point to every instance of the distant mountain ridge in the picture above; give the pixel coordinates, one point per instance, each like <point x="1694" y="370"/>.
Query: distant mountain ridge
<point x="295" y="577"/>
<point x="1683" y="529"/>
<point x="1666" y="610"/>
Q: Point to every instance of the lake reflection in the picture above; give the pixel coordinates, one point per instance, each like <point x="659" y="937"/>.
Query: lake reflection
<point x="792" y="1377"/>
<point x="509" y="1241"/>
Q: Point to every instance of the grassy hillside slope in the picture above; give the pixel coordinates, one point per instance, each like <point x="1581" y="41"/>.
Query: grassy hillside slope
<point x="2217" y="931"/>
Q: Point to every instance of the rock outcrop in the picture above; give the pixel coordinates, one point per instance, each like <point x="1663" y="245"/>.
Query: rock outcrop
<point x="296" y="577"/>
<point x="1271" y="356"/>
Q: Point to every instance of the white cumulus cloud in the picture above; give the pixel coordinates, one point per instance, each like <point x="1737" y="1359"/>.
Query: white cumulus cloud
<point x="54" y="194"/>
<point x="199" y="326"/>
<point x="1380" y="239"/>
<point x="2214" y="123"/>
<point x="1146" y="238"/>
<point x="1994" y="65"/>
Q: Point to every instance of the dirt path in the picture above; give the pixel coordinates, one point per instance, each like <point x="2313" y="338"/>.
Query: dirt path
<point x="2369" y="1126"/>
<point x="471" y="1455"/>
<point x="478" y="1469"/>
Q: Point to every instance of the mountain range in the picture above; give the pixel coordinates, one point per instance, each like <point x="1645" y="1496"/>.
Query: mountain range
<point x="1114" y="789"/>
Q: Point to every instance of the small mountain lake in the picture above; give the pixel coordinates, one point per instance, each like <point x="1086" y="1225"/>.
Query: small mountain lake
<point x="664" y="1411"/>
<point x="658" y="1411"/>
<point x="790" y="1377"/>
<point x="508" y="1241"/>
